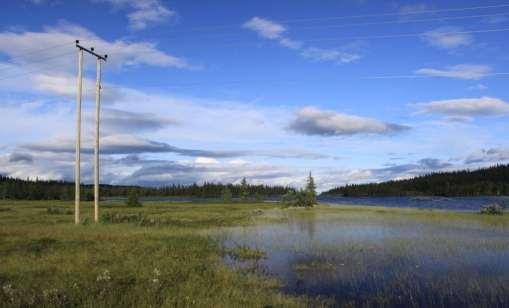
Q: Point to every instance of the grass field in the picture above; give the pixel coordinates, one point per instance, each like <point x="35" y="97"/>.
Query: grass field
<point x="157" y="255"/>
<point x="166" y="260"/>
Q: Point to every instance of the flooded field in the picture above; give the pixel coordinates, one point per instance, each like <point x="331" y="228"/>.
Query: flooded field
<point x="381" y="256"/>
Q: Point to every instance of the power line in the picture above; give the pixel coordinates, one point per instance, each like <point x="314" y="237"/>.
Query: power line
<point x="406" y="21"/>
<point x="22" y="55"/>
<point x="227" y="26"/>
<point x="405" y="35"/>
<point x="417" y="12"/>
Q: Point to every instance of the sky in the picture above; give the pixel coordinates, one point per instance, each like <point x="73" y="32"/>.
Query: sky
<point x="353" y="91"/>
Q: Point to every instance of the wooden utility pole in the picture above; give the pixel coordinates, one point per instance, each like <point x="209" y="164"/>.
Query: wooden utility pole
<point x="77" y="175"/>
<point x="96" y="148"/>
<point x="97" y="120"/>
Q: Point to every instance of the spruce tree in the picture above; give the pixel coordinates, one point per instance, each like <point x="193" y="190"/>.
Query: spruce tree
<point x="244" y="190"/>
<point x="310" y="191"/>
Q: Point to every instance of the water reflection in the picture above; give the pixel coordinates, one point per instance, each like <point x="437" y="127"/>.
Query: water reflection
<point x="369" y="259"/>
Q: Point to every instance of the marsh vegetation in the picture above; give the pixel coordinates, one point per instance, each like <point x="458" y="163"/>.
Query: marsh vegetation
<point x="250" y="254"/>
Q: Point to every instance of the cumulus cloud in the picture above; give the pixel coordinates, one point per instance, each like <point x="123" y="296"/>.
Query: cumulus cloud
<point x="144" y="13"/>
<point x="462" y="71"/>
<point x="447" y="38"/>
<point x="275" y="31"/>
<point x="313" y="121"/>
<point x="470" y="107"/>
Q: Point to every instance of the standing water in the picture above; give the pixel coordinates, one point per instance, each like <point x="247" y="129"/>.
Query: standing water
<point x="393" y="258"/>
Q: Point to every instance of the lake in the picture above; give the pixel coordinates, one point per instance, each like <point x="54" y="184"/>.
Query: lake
<point x="443" y="203"/>
<point x="382" y="256"/>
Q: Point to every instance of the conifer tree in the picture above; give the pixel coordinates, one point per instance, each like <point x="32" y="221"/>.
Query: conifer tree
<point x="244" y="190"/>
<point x="310" y="190"/>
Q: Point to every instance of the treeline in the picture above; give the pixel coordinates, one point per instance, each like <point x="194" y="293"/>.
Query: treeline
<point x="492" y="181"/>
<point x="13" y="188"/>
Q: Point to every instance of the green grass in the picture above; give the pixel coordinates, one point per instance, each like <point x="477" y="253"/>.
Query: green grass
<point x="162" y="254"/>
<point x="46" y="260"/>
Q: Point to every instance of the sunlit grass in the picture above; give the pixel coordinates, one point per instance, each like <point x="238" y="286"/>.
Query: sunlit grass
<point x="47" y="260"/>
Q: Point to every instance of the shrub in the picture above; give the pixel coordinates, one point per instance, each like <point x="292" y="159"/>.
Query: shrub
<point x="299" y="198"/>
<point x="226" y="195"/>
<point x="132" y="199"/>
<point x="58" y="211"/>
<point x="493" y="209"/>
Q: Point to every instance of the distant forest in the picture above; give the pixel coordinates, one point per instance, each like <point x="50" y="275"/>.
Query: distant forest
<point x="13" y="188"/>
<point x="492" y="181"/>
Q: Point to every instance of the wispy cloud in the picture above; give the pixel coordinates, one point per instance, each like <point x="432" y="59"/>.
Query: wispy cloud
<point x="478" y="87"/>
<point x="461" y="71"/>
<point x="272" y="30"/>
<point x="313" y="121"/>
<point x="469" y="107"/>
<point x="143" y="13"/>
<point x="265" y="28"/>
<point x="448" y="38"/>
<point x="488" y="156"/>
<point x="324" y="55"/>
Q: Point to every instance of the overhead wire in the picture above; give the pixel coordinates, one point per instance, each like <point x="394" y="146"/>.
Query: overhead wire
<point x="33" y="51"/>
<point x="416" y="12"/>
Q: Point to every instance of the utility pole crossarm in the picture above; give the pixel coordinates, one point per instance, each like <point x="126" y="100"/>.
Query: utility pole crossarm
<point x="91" y="51"/>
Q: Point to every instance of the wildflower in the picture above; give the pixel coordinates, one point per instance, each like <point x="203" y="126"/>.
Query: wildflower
<point x="104" y="276"/>
<point x="8" y="291"/>
<point x="50" y="294"/>
<point x="157" y="273"/>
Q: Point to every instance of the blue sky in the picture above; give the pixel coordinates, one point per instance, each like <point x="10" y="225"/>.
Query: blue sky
<point x="193" y="91"/>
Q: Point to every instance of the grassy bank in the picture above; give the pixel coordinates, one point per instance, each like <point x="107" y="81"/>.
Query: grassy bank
<point x="169" y="260"/>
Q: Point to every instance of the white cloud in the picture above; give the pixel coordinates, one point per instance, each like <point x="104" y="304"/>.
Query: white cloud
<point x="206" y="161"/>
<point x="265" y="28"/>
<point x="488" y="156"/>
<point x="144" y="12"/>
<point x="484" y="106"/>
<point x="121" y="53"/>
<point x="323" y="55"/>
<point x="274" y="31"/>
<point x="447" y="38"/>
<point x="461" y="71"/>
<point x="478" y="87"/>
<point x="312" y="121"/>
